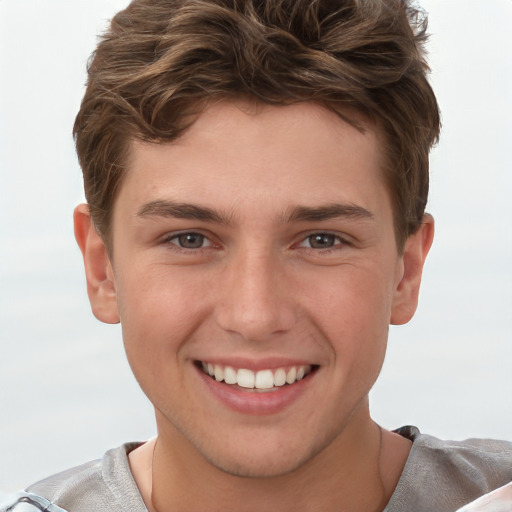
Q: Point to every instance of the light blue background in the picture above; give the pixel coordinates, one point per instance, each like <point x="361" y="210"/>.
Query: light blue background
<point x="66" y="392"/>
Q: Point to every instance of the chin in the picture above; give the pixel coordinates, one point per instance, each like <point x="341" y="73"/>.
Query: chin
<point x="261" y="457"/>
<point x="257" y="467"/>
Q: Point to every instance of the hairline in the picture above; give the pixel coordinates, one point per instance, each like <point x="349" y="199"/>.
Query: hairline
<point x="356" y="118"/>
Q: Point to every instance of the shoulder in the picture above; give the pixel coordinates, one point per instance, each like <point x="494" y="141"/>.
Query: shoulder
<point x="445" y="475"/>
<point x="69" y="488"/>
<point x="487" y="463"/>
<point x="27" y="502"/>
<point x="103" y="485"/>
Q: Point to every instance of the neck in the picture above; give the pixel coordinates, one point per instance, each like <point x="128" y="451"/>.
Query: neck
<point x="357" y="472"/>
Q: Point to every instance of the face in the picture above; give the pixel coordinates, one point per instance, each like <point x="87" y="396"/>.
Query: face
<point x="255" y="273"/>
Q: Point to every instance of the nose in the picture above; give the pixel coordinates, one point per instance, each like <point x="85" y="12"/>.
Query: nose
<point x="256" y="300"/>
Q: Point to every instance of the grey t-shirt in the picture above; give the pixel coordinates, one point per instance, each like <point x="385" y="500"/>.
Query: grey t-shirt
<point x="439" y="476"/>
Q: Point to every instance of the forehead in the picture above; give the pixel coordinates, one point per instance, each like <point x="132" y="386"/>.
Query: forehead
<point x="246" y="153"/>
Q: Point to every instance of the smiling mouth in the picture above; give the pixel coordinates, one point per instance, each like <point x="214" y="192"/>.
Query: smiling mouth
<point x="259" y="380"/>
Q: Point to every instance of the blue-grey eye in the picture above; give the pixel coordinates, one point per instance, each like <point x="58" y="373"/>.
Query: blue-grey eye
<point x="322" y="240"/>
<point x="190" y="240"/>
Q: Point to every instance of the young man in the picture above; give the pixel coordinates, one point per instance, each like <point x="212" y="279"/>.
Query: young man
<point x="256" y="175"/>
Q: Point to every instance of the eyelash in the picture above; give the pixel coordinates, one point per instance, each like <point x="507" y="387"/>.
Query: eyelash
<point x="173" y="240"/>
<point x="338" y="241"/>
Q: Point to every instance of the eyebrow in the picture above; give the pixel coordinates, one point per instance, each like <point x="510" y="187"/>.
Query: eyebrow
<point x="162" y="208"/>
<point x="327" y="212"/>
<point x="175" y="210"/>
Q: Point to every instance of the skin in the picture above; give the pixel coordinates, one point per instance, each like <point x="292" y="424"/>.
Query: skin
<point x="258" y="289"/>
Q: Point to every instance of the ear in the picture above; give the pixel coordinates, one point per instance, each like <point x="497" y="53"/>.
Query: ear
<point x="405" y="300"/>
<point x="98" y="269"/>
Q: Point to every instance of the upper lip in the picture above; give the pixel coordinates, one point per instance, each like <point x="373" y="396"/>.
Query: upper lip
<point x="272" y="363"/>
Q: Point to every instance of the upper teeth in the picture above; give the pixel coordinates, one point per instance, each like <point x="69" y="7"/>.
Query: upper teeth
<point x="263" y="379"/>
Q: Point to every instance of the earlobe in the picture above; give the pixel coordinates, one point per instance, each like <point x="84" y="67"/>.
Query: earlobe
<point x="416" y="249"/>
<point x="98" y="269"/>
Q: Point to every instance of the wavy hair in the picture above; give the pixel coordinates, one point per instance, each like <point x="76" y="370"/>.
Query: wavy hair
<point x="162" y="60"/>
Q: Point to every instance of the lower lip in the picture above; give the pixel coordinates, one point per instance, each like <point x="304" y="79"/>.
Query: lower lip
<point x="253" y="401"/>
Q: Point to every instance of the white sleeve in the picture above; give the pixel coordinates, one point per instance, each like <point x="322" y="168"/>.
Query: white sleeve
<point x="499" y="500"/>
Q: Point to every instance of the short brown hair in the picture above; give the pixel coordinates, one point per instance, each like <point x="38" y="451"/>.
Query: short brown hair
<point x="162" y="59"/>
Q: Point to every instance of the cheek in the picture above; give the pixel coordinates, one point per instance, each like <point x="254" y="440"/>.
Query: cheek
<point x="357" y="298"/>
<point x="159" y="311"/>
<point x="154" y="326"/>
<point x="353" y="313"/>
